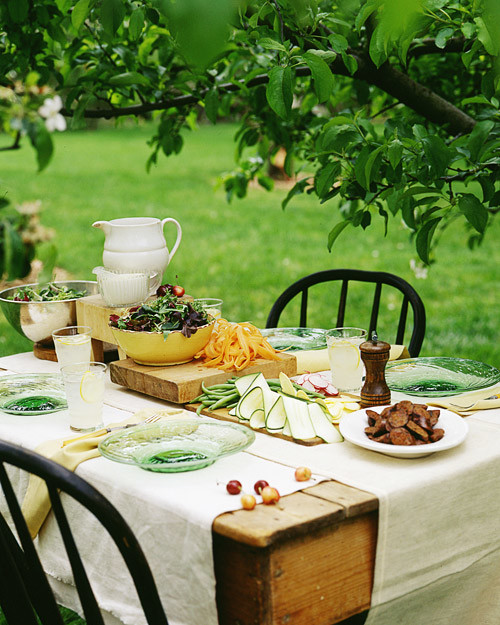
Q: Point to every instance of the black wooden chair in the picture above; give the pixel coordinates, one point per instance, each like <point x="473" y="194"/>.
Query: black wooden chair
<point x="25" y="593"/>
<point x="344" y="276"/>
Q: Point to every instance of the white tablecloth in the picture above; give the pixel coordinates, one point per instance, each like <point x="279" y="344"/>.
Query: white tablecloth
<point x="438" y="551"/>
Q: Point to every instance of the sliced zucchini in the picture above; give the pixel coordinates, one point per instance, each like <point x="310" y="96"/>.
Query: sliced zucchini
<point x="252" y="400"/>
<point x="286" y="429"/>
<point x="276" y="417"/>
<point x="245" y="382"/>
<point x="297" y="416"/>
<point x="322" y="425"/>
<point x="258" y="419"/>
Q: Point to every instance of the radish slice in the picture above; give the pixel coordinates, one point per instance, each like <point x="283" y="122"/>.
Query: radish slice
<point x="318" y="380"/>
<point x="331" y="390"/>
<point x="310" y="387"/>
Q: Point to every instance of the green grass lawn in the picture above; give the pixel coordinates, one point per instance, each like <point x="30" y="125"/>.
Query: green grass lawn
<point x="248" y="251"/>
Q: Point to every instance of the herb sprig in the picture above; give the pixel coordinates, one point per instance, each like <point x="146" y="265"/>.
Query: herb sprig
<point x="164" y="314"/>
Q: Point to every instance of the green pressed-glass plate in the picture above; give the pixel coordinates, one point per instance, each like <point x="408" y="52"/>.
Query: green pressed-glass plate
<point x="439" y="376"/>
<point x="174" y="446"/>
<point x="32" y="394"/>
<point x="295" y="339"/>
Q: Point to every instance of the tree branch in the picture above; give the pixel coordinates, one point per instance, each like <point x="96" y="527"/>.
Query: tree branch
<point x="15" y="145"/>
<point x="428" y="46"/>
<point x="387" y="78"/>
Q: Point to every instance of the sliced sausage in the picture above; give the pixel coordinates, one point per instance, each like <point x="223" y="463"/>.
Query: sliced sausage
<point x="418" y="431"/>
<point x="400" y="436"/>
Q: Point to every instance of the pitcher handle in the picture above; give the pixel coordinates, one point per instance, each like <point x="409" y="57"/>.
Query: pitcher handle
<point x="179" y="235"/>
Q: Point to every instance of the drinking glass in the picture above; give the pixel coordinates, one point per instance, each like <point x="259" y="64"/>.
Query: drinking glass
<point x="211" y="305"/>
<point x="345" y="357"/>
<point x="72" y="344"/>
<point x="84" y="386"/>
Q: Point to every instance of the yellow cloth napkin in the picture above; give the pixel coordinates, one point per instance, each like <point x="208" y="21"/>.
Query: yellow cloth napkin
<point x="314" y="360"/>
<point x="469" y="403"/>
<point x="36" y="504"/>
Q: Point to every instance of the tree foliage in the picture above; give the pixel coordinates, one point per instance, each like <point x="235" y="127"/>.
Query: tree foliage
<point x="390" y="108"/>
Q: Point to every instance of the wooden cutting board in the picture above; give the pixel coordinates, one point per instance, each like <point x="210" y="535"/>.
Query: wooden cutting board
<point x="223" y="415"/>
<point x="182" y="383"/>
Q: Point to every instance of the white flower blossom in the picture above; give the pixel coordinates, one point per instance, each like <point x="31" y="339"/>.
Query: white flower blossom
<point x="418" y="269"/>
<point x="50" y="111"/>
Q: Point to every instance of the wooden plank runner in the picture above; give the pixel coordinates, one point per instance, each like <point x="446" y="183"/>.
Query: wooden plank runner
<point x="223" y="415"/>
<point x="182" y="383"/>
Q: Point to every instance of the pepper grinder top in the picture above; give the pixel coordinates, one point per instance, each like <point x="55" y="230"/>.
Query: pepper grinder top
<point x="375" y="355"/>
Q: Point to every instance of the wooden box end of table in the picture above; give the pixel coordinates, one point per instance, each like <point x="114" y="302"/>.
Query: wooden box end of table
<point x="182" y="383"/>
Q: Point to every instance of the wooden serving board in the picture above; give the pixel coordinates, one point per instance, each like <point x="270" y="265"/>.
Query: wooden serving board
<point x="182" y="383"/>
<point x="223" y="415"/>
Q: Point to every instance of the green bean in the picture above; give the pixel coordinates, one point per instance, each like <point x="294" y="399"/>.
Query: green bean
<point x="221" y="403"/>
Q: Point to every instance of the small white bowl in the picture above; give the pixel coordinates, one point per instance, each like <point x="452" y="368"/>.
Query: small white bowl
<point x="120" y="289"/>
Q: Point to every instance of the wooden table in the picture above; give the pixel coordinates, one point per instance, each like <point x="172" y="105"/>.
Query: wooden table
<point x="308" y="562"/>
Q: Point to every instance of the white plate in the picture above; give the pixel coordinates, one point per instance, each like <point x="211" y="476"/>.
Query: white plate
<point x="352" y="428"/>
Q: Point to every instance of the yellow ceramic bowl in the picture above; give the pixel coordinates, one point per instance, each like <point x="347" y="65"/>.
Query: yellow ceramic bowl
<point x="149" y="348"/>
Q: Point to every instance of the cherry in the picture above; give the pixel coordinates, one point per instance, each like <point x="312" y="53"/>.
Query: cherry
<point x="164" y="289"/>
<point x="302" y="474"/>
<point x="178" y="291"/>
<point x="234" y="487"/>
<point x="269" y="495"/>
<point x="248" y="502"/>
<point x="259" y="485"/>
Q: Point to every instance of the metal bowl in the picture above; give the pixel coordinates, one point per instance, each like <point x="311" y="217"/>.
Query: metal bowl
<point x="37" y="320"/>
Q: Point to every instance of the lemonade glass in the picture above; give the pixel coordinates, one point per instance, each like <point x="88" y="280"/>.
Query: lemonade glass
<point x="211" y="305"/>
<point x="84" y="386"/>
<point x="345" y="358"/>
<point x="72" y="344"/>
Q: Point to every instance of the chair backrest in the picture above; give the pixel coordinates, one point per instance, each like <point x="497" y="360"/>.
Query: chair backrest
<point x="344" y="276"/>
<point x="25" y="590"/>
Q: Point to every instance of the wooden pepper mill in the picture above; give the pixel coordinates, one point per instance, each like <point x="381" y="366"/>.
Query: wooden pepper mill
<point x="375" y="355"/>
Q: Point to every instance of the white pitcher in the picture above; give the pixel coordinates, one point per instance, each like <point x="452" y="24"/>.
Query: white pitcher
<point x="137" y="244"/>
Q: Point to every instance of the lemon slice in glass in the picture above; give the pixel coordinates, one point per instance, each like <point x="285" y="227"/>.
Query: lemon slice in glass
<point x="91" y="387"/>
<point x="76" y="339"/>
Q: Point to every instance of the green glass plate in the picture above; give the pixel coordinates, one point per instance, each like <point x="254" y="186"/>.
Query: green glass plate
<point x="439" y="376"/>
<point x="32" y="394"/>
<point x="174" y="446"/>
<point x="295" y="339"/>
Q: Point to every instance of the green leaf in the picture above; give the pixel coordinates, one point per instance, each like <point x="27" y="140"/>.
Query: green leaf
<point x="424" y="238"/>
<point x="395" y="152"/>
<point x="478" y="136"/>
<point x="438" y="155"/>
<point x="212" y="105"/>
<point x="338" y="42"/>
<point x="359" y="166"/>
<point x="201" y="28"/>
<point x="442" y="37"/>
<point x="266" y="182"/>
<point x="112" y="14"/>
<point x="271" y="44"/>
<point x="64" y="5"/>
<point x="334" y="233"/>
<point x="372" y="165"/>
<point x="350" y="62"/>
<point x="80" y="13"/>
<point x="325" y="177"/>
<point x="297" y="189"/>
<point x="322" y="76"/>
<point x="279" y="91"/>
<point x="127" y="79"/>
<point x="474" y="211"/>
<point x="136" y="24"/>
<point x="42" y="142"/>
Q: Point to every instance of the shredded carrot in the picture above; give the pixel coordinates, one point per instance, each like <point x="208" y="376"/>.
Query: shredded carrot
<point x="235" y="346"/>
